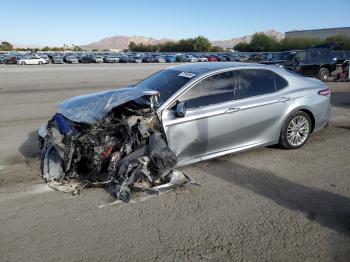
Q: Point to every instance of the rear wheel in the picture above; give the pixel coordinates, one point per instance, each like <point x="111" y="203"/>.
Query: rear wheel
<point x="23" y="63"/>
<point x="40" y="63"/>
<point x="296" y="130"/>
<point x="323" y="74"/>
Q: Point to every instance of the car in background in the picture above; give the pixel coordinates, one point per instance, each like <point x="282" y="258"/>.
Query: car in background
<point x="86" y="59"/>
<point x="212" y="58"/>
<point x="220" y="58"/>
<point x="97" y="59"/>
<point x="147" y="59"/>
<point x="159" y="59"/>
<point x="169" y="58"/>
<point x="12" y="60"/>
<point x="111" y="59"/>
<point x="135" y="59"/>
<point x="2" y="60"/>
<point x="46" y="57"/>
<point x="341" y="56"/>
<point x="125" y="59"/>
<point x="201" y="58"/>
<point x="190" y="59"/>
<point x="31" y="60"/>
<point x="71" y="59"/>
<point x="56" y="59"/>
<point x="317" y="62"/>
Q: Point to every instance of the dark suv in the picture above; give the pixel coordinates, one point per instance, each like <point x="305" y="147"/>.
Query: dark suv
<point x="313" y="62"/>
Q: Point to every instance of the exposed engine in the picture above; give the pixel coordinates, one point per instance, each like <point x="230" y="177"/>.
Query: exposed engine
<point x="124" y="149"/>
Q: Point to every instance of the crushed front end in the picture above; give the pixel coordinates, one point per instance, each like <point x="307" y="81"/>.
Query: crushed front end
<point x="122" y="147"/>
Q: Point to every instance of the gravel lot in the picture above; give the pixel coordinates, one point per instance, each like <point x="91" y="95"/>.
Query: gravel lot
<point x="262" y="205"/>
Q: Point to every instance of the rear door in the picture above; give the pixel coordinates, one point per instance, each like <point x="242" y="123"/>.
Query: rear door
<point x="261" y="100"/>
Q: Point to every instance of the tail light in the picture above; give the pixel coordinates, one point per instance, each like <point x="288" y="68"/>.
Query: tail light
<point x="324" y="92"/>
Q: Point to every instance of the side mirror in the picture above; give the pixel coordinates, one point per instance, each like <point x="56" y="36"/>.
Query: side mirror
<point x="181" y="109"/>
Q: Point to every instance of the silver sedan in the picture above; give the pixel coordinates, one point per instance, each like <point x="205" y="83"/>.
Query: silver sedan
<point x="179" y="116"/>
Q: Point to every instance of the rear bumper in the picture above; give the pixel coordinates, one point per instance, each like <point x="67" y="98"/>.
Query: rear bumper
<point x="323" y="115"/>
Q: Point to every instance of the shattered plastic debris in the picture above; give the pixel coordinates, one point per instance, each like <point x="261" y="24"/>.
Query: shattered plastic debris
<point x="108" y="139"/>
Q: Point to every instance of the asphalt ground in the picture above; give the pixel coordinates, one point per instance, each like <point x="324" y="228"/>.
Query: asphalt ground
<point x="267" y="204"/>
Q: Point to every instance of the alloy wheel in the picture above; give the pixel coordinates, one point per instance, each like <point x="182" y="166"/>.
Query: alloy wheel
<point x="298" y="131"/>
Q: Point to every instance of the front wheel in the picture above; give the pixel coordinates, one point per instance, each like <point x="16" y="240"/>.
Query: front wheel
<point x="23" y="63"/>
<point x="40" y="63"/>
<point x="323" y="74"/>
<point x="296" y="130"/>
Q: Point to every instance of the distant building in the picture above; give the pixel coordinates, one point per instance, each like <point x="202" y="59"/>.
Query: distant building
<point x="319" y="33"/>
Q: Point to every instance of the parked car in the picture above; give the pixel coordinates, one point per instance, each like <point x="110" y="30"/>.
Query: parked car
<point x="159" y="59"/>
<point x="12" y="60"/>
<point x="125" y="59"/>
<point x="190" y="59"/>
<point x="111" y="59"/>
<point x="312" y="62"/>
<point x="2" y="60"/>
<point x="170" y="58"/>
<point x="133" y="59"/>
<point x="147" y="59"/>
<point x="220" y="58"/>
<point x="212" y="58"/>
<point x="341" y="56"/>
<point x="46" y="57"/>
<point x="86" y="59"/>
<point x="56" y="59"/>
<point x="181" y="115"/>
<point x="202" y="58"/>
<point x="71" y="59"/>
<point x="31" y="60"/>
<point x="97" y="59"/>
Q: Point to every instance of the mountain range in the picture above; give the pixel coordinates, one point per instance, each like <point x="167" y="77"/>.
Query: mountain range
<point x="122" y="42"/>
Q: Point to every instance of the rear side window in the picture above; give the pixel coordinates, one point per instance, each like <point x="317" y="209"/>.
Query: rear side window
<point x="254" y="82"/>
<point x="212" y="90"/>
<point x="280" y="82"/>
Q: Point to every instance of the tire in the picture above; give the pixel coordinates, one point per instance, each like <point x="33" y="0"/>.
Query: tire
<point x="323" y="74"/>
<point x="40" y="63"/>
<point x="296" y="130"/>
<point x="23" y="63"/>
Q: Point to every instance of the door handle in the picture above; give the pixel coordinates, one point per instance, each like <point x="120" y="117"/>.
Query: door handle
<point x="284" y="99"/>
<point x="232" y="110"/>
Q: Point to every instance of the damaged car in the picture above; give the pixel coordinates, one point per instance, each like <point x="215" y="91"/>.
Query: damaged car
<point x="133" y="138"/>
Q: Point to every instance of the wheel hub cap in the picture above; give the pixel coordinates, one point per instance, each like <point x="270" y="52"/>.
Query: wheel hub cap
<point x="298" y="131"/>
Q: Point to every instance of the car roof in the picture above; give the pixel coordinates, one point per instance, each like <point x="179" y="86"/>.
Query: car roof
<point x="206" y="67"/>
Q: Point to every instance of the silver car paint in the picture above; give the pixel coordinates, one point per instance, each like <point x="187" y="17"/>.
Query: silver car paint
<point x="238" y="125"/>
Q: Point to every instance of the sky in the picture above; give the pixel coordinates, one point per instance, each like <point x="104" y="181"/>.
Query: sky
<point x="81" y="22"/>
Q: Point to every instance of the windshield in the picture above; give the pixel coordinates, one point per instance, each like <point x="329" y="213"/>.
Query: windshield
<point x="166" y="82"/>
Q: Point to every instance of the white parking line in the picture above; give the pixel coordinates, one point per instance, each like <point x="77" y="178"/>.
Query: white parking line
<point x="30" y="191"/>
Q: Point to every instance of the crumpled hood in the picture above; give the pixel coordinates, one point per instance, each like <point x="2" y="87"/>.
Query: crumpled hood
<point x="93" y="107"/>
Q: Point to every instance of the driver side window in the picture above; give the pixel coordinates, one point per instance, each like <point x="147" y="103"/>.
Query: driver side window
<point x="212" y="90"/>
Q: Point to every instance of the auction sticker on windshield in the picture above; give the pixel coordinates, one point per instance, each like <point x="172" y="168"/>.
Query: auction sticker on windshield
<point x="187" y="75"/>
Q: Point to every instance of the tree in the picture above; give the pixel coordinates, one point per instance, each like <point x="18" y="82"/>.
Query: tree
<point x="263" y="43"/>
<point x="242" y="47"/>
<point x="342" y="40"/>
<point x="5" y="46"/>
<point x="216" y="49"/>
<point x="299" y="43"/>
<point x="201" y="44"/>
<point x="198" y="44"/>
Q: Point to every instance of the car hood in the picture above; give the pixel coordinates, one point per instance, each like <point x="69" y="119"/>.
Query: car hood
<point x="93" y="107"/>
